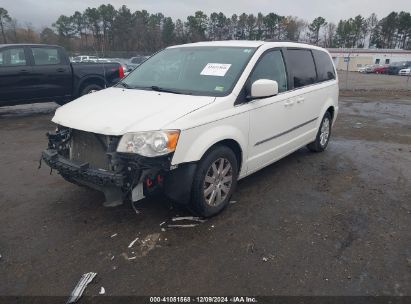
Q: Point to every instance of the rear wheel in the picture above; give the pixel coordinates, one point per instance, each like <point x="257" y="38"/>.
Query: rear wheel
<point x="323" y="135"/>
<point x="91" y="88"/>
<point x="61" y="102"/>
<point x="214" y="181"/>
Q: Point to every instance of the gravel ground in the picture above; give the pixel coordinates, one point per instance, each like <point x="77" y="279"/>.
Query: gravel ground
<point x="334" y="223"/>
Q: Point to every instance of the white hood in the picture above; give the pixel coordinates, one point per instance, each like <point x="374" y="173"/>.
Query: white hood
<point x="117" y="111"/>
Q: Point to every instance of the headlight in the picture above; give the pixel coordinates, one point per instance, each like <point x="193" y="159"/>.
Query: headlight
<point x="152" y="143"/>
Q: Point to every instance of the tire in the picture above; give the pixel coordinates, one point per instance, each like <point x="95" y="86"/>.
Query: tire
<point x="320" y="143"/>
<point x="209" y="183"/>
<point x="90" y="89"/>
<point x="61" y="102"/>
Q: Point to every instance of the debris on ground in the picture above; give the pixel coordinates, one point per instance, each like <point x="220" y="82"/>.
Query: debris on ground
<point x="162" y="223"/>
<point x="132" y="243"/>
<point x="114" y="235"/>
<point x="188" y="218"/>
<point x="112" y="258"/>
<point x="358" y="125"/>
<point x="149" y="243"/>
<point x="265" y="259"/>
<point x="233" y="202"/>
<point x="134" y="208"/>
<point x="143" y="246"/>
<point x="81" y="286"/>
<point x="163" y="229"/>
<point x="102" y="291"/>
<point x="183" y="226"/>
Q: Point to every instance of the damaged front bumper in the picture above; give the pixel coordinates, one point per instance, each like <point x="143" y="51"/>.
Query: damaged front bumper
<point x="91" y="159"/>
<point x="82" y="171"/>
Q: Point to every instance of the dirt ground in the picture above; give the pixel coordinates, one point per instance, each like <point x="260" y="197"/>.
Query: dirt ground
<point x="333" y="223"/>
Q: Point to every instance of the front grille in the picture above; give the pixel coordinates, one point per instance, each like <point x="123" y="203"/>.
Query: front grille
<point x="86" y="147"/>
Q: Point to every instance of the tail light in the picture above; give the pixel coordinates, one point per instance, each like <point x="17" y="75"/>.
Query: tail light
<point x="120" y="71"/>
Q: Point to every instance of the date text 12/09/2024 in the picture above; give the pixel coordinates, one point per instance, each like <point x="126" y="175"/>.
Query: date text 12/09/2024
<point x="203" y="299"/>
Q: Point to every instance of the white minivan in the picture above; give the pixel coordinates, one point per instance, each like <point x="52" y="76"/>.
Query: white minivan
<point x="194" y="119"/>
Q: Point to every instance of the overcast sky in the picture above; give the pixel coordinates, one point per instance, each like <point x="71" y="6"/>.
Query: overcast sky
<point x="41" y="13"/>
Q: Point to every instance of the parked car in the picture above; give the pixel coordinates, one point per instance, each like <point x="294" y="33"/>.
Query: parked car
<point x="395" y="67"/>
<point x="405" y="72"/>
<point x="135" y="62"/>
<point x="40" y="73"/>
<point x="381" y="69"/>
<point x="222" y="112"/>
<point x="369" y="68"/>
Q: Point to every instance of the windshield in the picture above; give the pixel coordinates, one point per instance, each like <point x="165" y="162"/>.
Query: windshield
<point x="210" y="71"/>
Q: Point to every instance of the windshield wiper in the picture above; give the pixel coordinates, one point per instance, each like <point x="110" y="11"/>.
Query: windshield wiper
<point x="124" y="85"/>
<point x="160" y="89"/>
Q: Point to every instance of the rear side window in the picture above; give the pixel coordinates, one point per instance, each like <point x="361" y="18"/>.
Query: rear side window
<point x="325" y="68"/>
<point x="271" y="66"/>
<point x="12" y="57"/>
<point x="302" y="68"/>
<point x="45" y="56"/>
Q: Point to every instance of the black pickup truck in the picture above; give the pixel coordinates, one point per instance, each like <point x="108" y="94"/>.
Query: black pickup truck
<point x="39" y="73"/>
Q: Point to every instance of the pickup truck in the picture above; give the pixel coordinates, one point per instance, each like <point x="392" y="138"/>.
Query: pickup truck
<point x="41" y="73"/>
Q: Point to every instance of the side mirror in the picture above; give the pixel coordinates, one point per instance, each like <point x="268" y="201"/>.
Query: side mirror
<point x="263" y="88"/>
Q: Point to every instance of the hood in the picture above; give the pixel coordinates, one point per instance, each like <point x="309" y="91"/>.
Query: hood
<point x="117" y="111"/>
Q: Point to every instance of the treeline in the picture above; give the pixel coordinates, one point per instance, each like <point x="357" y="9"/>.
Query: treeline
<point x="105" y="29"/>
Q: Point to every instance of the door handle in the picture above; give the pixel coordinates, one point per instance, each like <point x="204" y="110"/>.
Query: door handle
<point x="300" y="99"/>
<point x="24" y="71"/>
<point x="289" y="102"/>
<point x="61" y="70"/>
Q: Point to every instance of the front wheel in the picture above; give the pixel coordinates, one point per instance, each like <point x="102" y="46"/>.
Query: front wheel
<point x="214" y="181"/>
<point x="323" y="135"/>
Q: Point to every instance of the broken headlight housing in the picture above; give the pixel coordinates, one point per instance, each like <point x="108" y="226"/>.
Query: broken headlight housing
<point x="150" y="144"/>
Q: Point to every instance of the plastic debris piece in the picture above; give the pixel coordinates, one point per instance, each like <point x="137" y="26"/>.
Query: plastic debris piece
<point x="112" y="258"/>
<point x="81" y="286"/>
<point x="265" y="259"/>
<point x="183" y="226"/>
<point x="102" y="291"/>
<point x="233" y="202"/>
<point x="188" y="218"/>
<point x="163" y="229"/>
<point x="132" y="243"/>
<point x="134" y="208"/>
<point x="114" y="235"/>
<point x="132" y="258"/>
<point x="162" y="223"/>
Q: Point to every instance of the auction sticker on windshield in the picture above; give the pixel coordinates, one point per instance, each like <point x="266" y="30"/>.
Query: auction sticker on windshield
<point x="215" y="69"/>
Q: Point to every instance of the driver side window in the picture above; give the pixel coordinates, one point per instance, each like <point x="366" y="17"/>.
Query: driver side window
<point x="271" y="66"/>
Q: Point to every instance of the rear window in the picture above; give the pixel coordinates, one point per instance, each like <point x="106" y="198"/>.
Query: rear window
<point x="45" y="56"/>
<point x="302" y="68"/>
<point x="325" y="68"/>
